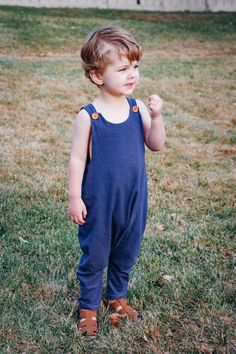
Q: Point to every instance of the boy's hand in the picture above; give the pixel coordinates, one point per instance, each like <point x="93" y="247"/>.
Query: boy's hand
<point x="77" y="211"/>
<point x="155" y="105"/>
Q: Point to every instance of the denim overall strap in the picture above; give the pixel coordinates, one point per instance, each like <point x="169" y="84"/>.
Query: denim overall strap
<point x="132" y="101"/>
<point x="91" y="111"/>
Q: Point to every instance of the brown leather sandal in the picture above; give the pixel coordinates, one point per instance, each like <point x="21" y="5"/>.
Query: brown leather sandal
<point x="121" y="307"/>
<point x="87" y="324"/>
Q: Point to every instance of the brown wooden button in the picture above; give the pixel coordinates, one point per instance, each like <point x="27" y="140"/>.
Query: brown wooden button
<point x="95" y="115"/>
<point x="135" y="109"/>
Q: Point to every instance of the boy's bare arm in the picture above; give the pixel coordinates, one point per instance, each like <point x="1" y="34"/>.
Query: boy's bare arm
<point x="75" y="177"/>
<point x="153" y="124"/>
<point x="79" y="149"/>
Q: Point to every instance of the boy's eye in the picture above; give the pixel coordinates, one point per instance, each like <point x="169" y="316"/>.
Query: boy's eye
<point x="136" y="66"/>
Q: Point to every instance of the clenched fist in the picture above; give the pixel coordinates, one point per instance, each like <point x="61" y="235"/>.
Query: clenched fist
<point x="155" y="105"/>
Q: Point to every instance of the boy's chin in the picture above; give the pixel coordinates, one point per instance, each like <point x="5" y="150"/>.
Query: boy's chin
<point x="129" y="91"/>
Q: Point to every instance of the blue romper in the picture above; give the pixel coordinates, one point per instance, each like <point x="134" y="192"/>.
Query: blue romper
<point x="114" y="190"/>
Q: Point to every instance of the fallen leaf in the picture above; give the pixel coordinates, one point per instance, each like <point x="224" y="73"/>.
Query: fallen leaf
<point x="168" y="277"/>
<point x="205" y="348"/>
<point x="23" y="240"/>
<point x="160" y="227"/>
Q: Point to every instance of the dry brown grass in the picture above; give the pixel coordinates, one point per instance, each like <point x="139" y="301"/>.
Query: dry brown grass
<point x="190" y="49"/>
<point x="38" y="112"/>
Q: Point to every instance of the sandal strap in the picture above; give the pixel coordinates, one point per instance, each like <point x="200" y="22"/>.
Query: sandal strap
<point x="121" y="307"/>
<point x="88" y="323"/>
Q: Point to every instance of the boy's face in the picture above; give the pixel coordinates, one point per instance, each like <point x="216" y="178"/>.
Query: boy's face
<point x="121" y="76"/>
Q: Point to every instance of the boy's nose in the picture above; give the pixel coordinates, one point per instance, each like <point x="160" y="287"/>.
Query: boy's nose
<point x="131" y="73"/>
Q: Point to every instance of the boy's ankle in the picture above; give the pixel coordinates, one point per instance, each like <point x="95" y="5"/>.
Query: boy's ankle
<point x="111" y="301"/>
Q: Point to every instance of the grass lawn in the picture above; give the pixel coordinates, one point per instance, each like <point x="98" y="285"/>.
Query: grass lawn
<point x="189" y="60"/>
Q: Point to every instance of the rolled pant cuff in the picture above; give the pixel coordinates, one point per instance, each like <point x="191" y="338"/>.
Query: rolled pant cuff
<point x="115" y="296"/>
<point x="88" y="307"/>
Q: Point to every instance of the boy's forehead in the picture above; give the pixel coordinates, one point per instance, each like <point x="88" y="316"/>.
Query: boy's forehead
<point x="117" y="58"/>
<point x="115" y="54"/>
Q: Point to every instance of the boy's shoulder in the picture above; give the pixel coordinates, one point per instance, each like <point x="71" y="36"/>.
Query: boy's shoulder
<point x="83" y="117"/>
<point x="141" y="105"/>
<point x="144" y="113"/>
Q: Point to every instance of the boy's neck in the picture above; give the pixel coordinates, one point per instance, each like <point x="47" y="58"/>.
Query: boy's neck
<point x="113" y="108"/>
<point x="110" y="100"/>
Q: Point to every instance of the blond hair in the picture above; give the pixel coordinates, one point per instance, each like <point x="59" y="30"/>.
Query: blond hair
<point x="95" y="53"/>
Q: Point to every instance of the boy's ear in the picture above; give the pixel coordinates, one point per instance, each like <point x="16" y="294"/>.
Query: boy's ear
<point x="96" y="77"/>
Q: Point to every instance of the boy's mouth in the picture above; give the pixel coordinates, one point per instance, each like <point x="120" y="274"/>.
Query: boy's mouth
<point x="130" y="85"/>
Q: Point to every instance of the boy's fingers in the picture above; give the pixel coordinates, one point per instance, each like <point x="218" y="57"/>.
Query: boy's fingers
<point x="81" y="219"/>
<point x="84" y="213"/>
<point x="155" y="100"/>
<point x="71" y="217"/>
<point x="74" y="219"/>
<point x="154" y="97"/>
<point x="156" y="105"/>
<point x="154" y="108"/>
<point x="77" y="220"/>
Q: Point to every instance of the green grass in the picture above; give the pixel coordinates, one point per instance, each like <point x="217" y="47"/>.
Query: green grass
<point x="189" y="61"/>
<point x="34" y="28"/>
